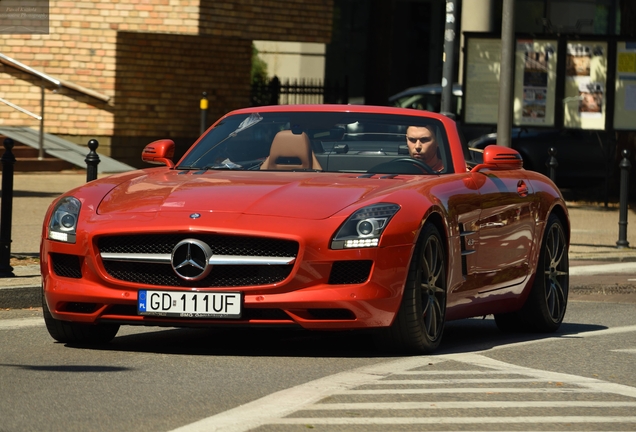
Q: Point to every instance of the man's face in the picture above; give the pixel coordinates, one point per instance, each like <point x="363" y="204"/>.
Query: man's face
<point x="421" y="143"/>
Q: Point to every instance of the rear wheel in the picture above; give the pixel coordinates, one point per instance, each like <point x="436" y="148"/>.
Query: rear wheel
<point x="419" y="323"/>
<point x="546" y="304"/>
<point x="68" y="332"/>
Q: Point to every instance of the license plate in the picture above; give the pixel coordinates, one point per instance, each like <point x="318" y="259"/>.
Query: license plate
<point x="189" y="304"/>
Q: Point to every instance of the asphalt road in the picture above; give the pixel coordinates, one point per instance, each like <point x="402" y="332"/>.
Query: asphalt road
<point x="152" y="379"/>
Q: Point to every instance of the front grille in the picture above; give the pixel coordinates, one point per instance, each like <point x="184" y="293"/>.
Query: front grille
<point x="161" y="274"/>
<point x="220" y="244"/>
<point x="350" y="272"/>
<point x="65" y="265"/>
<point x="220" y="276"/>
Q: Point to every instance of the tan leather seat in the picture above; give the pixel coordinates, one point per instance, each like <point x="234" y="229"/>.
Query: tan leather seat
<point x="290" y="151"/>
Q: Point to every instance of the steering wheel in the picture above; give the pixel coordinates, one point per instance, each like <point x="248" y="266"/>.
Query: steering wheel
<point x="402" y="165"/>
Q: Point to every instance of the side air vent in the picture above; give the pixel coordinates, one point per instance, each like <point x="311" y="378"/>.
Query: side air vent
<point x="350" y="272"/>
<point x="65" y="265"/>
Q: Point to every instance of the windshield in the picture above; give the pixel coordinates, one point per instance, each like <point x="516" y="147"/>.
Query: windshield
<point x="323" y="141"/>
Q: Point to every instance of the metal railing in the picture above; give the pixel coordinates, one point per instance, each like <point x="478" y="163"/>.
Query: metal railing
<point x="8" y="61"/>
<point x="298" y="91"/>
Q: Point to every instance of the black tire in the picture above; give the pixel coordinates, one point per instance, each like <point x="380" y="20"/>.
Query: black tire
<point x="547" y="301"/>
<point x="419" y="324"/>
<point x="76" y="333"/>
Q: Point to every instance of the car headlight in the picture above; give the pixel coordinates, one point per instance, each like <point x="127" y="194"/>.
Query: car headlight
<point x="63" y="223"/>
<point x="364" y="227"/>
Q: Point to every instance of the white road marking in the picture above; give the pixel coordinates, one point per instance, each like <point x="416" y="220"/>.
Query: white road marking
<point x="624" y="267"/>
<point x="455" y="381"/>
<point x="284" y="402"/>
<point x="453" y="420"/>
<point x="462" y="390"/>
<point x="464" y="405"/>
<point x="272" y="409"/>
<point x="18" y="323"/>
<point x="628" y="351"/>
<point x="582" y="335"/>
<point x="589" y="383"/>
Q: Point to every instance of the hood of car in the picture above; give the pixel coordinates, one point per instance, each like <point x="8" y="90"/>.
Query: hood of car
<point x="296" y="195"/>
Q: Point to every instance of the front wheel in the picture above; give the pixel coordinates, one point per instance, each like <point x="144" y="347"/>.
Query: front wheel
<point x="419" y="323"/>
<point x="77" y="333"/>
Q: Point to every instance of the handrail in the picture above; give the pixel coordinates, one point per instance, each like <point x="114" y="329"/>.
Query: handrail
<point x="24" y="68"/>
<point x="22" y="110"/>
<point x="56" y="82"/>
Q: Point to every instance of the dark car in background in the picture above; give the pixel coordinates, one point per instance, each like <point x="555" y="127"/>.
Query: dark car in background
<point x="583" y="157"/>
<point x="427" y="97"/>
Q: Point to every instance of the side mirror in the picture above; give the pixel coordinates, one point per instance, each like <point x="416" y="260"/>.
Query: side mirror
<point x="159" y="152"/>
<point x="500" y="158"/>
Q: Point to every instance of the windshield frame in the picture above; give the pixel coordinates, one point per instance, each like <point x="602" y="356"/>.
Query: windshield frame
<point x="336" y="138"/>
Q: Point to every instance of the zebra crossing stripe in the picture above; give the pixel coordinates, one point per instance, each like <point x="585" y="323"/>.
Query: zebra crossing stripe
<point x="453" y="420"/>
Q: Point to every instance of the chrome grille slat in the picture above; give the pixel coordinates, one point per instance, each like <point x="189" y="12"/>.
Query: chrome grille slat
<point x="214" y="260"/>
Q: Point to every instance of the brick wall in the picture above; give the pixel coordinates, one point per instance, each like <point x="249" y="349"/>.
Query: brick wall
<point x="153" y="59"/>
<point x="160" y="80"/>
<point x="288" y="20"/>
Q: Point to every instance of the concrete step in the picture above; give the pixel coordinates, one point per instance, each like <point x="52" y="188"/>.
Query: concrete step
<point x="41" y="165"/>
<point x="56" y="147"/>
<point x="27" y="159"/>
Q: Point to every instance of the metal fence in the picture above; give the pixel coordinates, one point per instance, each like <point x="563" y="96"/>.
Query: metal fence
<point x="299" y="91"/>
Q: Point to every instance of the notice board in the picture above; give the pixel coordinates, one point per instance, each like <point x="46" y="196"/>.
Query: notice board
<point x="625" y="86"/>
<point x="534" y="85"/>
<point x="584" y="101"/>
<point x="562" y="81"/>
<point x="535" y="82"/>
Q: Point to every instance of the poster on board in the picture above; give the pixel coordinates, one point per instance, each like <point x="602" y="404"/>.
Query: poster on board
<point x="535" y="82"/>
<point x="585" y="83"/>
<point x="482" y="80"/>
<point x="625" y="86"/>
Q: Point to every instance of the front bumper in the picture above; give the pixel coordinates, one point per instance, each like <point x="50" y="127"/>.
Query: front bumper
<point x="308" y="297"/>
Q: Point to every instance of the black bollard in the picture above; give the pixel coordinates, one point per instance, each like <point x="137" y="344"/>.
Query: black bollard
<point x="203" y="105"/>
<point x="92" y="160"/>
<point x="625" y="166"/>
<point x="6" y="209"/>
<point x="552" y="164"/>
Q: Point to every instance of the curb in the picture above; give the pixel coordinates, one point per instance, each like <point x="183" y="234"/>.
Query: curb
<point x="22" y="291"/>
<point x="20" y="297"/>
<point x="24" y="296"/>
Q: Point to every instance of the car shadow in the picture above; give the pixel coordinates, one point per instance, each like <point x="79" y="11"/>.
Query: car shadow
<point x="469" y="335"/>
<point x="482" y="334"/>
<point x="245" y="343"/>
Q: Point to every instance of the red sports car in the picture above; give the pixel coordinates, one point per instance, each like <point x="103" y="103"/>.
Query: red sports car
<point x="322" y="217"/>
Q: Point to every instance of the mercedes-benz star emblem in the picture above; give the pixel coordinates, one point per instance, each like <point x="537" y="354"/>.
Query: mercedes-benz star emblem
<point x="190" y="259"/>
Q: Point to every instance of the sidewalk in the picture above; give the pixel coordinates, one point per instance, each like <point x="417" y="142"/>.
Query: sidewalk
<point x="594" y="231"/>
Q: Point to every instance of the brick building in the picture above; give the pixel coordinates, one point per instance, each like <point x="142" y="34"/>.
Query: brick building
<point x="145" y="65"/>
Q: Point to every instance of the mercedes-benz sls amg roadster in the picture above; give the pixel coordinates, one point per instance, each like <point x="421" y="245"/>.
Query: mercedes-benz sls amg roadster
<point x="319" y="217"/>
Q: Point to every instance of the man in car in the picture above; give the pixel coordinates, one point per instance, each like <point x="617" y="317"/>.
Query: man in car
<point x="423" y="146"/>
